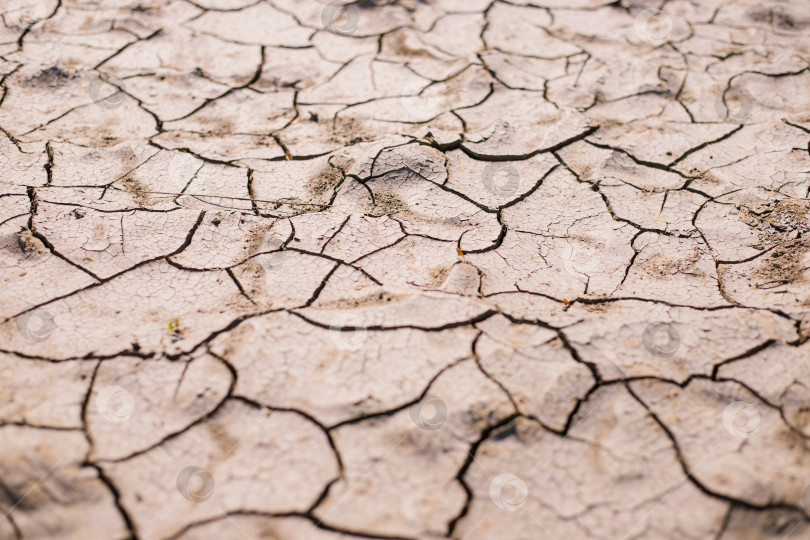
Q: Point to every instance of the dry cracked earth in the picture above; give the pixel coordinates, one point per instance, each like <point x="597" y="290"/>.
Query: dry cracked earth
<point x="418" y="269"/>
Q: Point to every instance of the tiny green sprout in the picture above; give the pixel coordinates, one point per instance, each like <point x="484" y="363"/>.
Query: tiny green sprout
<point x="174" y="324"/>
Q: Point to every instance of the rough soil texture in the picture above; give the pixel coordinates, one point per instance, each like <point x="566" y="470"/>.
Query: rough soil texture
<point x="418" y="269"/>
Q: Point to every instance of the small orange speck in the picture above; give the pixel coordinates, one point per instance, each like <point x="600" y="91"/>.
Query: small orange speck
<point x="566" y="302"/>
<point x="288" y="157"/>
<point x="461" y="253"/>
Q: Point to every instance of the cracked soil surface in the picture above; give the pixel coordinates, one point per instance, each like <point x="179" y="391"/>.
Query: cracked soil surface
<point x="417" y="269"/>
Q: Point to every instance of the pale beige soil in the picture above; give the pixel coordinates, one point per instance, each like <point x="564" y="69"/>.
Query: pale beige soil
<point x="418" y="269"/>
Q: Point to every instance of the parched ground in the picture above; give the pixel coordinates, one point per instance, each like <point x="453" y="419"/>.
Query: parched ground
<point x="418" y="269"/>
